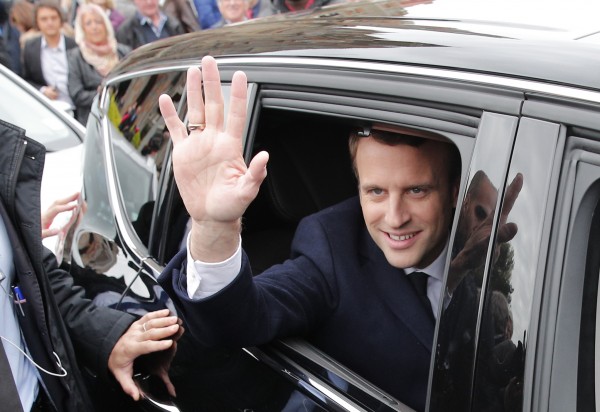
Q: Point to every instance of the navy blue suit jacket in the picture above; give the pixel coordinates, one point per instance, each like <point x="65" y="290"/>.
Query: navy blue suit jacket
<point x="337" y="290"/>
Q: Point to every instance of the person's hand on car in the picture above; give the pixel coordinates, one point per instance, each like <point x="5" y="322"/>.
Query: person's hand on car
<point x="213" y="179"/>
<point x="59" y="206"/>
<point x="154" y="332"/>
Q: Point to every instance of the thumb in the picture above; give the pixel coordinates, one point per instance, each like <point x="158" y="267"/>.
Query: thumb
<point x="167" y="381"/>
<point x="127" y="384"/>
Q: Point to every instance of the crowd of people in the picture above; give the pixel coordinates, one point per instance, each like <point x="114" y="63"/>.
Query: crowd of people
<point x="65" y="48"/>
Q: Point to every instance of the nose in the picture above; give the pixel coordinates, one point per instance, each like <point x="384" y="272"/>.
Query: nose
<point x="397" y="214"/>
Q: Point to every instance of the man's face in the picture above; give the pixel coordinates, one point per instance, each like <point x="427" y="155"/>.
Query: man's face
<point x="407" y="199"/>
<point x="148" y="8"/>
<point x="48" y="21"/>
<point x="233" y="11"/>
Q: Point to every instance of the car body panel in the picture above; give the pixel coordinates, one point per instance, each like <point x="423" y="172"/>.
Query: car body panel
<point x="516" y="100"/>
<point x="62" y="135"/>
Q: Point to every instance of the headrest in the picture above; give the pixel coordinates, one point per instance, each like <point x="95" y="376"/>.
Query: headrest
<point x="308" y="172"/>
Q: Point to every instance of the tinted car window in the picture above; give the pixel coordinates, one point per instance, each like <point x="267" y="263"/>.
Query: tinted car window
<point x="20" y="106"/>
<point x="509" y="293"/>
<point x="139" y="142"/>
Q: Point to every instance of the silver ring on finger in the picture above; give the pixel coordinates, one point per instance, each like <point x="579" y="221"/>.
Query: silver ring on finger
<point x="196" y="126"/>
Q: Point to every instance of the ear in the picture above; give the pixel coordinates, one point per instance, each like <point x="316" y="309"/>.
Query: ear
<point x="455" y="190"/>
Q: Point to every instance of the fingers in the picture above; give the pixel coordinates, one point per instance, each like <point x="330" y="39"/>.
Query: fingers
<point x="212" y="93"/>
<point x="512" y="192"/>
<point x="127" y="384"/>
<point x="507" y="232"/>
<point x="167" y="381"/>
<point x="194" y="96"/>
<point x="257" y="171"/>
<point x="177" y="129"/>
<point x="50" y="232"/>
<point x="238" y="103"/>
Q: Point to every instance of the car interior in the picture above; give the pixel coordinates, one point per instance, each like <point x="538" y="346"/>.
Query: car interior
<point x="309" y="169"/>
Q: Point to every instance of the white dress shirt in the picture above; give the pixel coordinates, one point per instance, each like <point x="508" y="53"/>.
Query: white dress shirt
<point x="205" y="279"/>
<point x="56" y="70"/>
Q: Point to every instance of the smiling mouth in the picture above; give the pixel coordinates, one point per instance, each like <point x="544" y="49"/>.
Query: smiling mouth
<point x="401" y="237"/>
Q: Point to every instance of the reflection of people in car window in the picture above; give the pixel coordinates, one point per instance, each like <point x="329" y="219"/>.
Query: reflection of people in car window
<point x="457" y="333"/>
<point x="96" y="252"/>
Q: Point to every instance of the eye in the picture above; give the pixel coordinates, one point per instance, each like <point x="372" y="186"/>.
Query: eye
<point x="480" y="213"/>
<point x="376" y="191"/>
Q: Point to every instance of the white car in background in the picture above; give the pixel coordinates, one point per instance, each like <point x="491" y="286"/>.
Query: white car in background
<point x="24" y="106"/>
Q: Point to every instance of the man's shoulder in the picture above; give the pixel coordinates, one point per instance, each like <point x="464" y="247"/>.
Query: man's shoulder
<point x="345" y="210"/>
<point x="70" y="43"/>
<point x="32" y="43"/>
<point x="128" y="24"/>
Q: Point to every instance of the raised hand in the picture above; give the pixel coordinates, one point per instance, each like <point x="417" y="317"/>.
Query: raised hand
<point x="476" y="244"/>
<point x="57" y="207"/>
<point x="215" y="184"/>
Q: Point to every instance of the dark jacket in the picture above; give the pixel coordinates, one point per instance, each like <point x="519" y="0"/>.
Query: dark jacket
<point x="57" y="316"/>
<point x="131" y="31"/>
<point x="4" y="56"/>
<point x="84" y="80"/>
<point x="185" y="12"/>
<point x="337" y="290"/>
<point x="32" y="61"/>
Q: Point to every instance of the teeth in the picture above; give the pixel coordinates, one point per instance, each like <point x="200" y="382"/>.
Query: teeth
<point x="404" y="237"/>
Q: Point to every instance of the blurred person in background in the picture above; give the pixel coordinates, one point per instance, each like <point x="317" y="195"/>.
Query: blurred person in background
<point x="209" y="13"/>
<point x="44" y="59"/>
<point x="97" y="54"/>
<point x="185" y="11"/>
<point x="4" y="57"/>
<point x="284" y="6"/>
<point x="10" y="37"/>
<point x="148" y="24"/>
<point x="232" y="11"/>
<point x="115" y="16"/>
<point x="21" y="17"/>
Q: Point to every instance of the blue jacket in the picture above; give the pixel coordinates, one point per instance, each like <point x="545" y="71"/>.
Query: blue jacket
<point x="337" y="290"/>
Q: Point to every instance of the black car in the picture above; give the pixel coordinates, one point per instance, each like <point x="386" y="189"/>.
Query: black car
<point x="521" y="104"/>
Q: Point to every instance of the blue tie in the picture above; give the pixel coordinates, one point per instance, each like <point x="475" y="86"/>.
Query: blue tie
<point x="419" y="282"/>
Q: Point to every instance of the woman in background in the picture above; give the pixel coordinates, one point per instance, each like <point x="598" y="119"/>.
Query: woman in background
<point x="97" y="54"/>
<point x="114" y="15"/>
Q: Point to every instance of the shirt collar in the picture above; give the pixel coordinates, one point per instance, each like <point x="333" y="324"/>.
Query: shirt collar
<point x="436" y="269"/>
<point x="148" y="20"/>
<point x="61" y="43"/>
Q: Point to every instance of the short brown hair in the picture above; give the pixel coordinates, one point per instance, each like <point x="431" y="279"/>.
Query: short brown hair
<point x="385" y="136"/>
<point x="48" y="4"/>
<point x="21" y="12"/>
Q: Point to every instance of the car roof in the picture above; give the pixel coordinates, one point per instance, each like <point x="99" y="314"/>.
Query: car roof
<point x="388" y="31"/>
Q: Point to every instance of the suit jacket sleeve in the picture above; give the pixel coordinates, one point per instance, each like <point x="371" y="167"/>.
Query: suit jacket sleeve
<point x="32" y="64"/>
<point x="94" y="330"/>
<point x="287" y="299"/>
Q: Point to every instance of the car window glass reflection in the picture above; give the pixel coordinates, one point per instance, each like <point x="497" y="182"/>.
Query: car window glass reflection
<point x="139" y="141"/>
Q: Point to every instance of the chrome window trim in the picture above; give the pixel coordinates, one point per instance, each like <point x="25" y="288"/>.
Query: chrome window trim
<point x="533" y="86"/>
<point x="295" y="371"/>
<point x="496" y="80"/>
<point x="123" y="224"/>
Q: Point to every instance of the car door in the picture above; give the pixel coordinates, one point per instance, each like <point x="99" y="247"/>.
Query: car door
<point x="534" y="345"/>
<point x="302" y="116"/>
